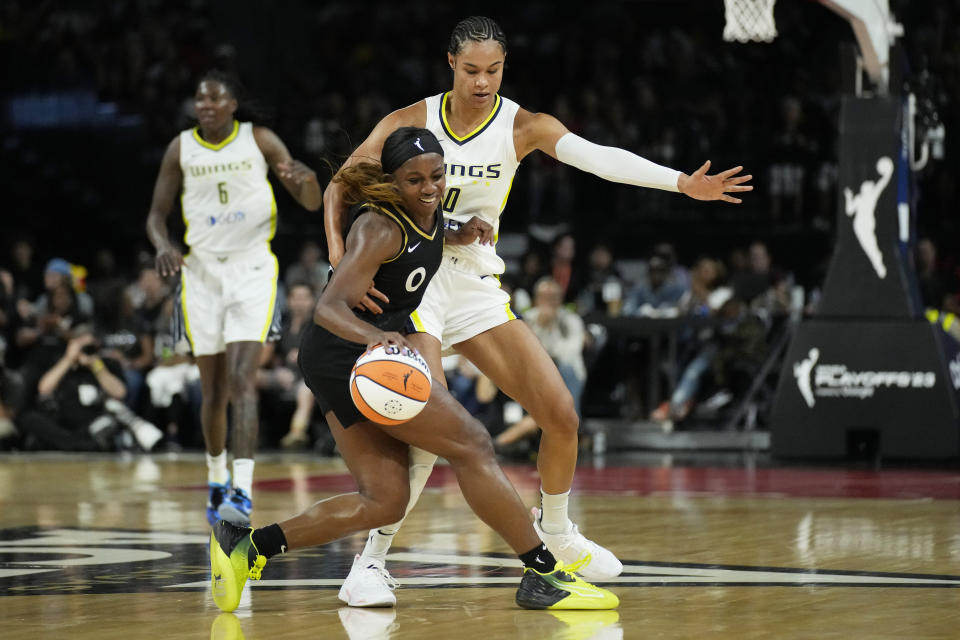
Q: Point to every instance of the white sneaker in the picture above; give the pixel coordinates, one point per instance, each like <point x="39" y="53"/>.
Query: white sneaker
<point x="368" y="584"/>
<point x="582" y="556"/>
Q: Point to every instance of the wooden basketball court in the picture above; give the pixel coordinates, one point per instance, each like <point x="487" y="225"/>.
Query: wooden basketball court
<point x="116" y="548"/>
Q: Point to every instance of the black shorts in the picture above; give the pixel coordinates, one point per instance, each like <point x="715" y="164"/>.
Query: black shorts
<point x="326" y="361"/>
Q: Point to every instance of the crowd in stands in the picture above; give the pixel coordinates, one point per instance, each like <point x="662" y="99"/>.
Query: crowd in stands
<point x="89" y="361"/>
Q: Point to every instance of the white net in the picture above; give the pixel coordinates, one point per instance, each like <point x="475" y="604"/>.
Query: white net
<point x="748" y="20"/>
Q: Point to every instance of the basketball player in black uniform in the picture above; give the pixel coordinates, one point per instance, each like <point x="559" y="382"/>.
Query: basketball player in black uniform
<point x="395" y="241"/>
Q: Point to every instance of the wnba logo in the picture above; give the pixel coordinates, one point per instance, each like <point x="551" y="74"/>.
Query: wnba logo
<point x="862" y="207"/>
<point x="802" y="371"/>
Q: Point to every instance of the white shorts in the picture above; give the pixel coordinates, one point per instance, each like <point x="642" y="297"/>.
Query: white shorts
<point x="228" y="298"/>
<point x="459" y="305"/>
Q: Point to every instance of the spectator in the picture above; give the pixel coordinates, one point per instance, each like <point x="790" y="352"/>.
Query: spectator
<point x="677" y="274"/>
<point x="27" y="275"/>
<point x="311" y="268"/>
<point x="562" y="267"/>
<point x="531" y="270"/>
<point x="603" y="290"/>
<point x="44" y="334"/>
<point x="80" y="403"/>
<point x="562" y="334"/>
<point x="696" y="346"/>
<point x="60" y="271"/>
<point x="758" y="278"/>
<point x="658" y="295"/>
<point x="280" y="381"/>
<point x="105" y="287"/>
<point x="477" y="393"/>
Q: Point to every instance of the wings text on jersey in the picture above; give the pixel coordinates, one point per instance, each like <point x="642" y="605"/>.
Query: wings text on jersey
<point x="489" y="172"/>
<point x="198" y="171"/>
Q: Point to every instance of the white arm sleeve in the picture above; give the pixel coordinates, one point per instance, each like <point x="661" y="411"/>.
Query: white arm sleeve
<point x="616" y="165"/>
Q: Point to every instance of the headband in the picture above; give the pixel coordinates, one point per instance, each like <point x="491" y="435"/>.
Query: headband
<point x="397" y="154"/>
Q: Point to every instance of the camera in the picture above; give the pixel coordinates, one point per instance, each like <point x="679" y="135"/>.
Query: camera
<point x="89" y="349"/>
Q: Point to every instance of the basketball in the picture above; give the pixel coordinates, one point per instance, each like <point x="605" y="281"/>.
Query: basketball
<point x="390" y="385"/>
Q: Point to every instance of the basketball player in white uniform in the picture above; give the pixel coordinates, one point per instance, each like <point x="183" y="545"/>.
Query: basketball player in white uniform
<point x="484" y="138"/>
<point x="228" y="280"/>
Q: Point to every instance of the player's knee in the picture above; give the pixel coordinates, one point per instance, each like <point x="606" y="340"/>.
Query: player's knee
<point x="476" y="441"/>
<point x="216" y="397"/>
<point x="386" y="505"/>
<point x="560" y="417"/>
<point x="241" y="385"/>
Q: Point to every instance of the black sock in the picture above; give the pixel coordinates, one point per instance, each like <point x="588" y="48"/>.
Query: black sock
<point x="270" y="540"/>
<point x="539" y="558"/>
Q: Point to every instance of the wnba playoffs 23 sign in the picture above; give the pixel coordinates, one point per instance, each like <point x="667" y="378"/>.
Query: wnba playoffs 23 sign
<point x="839" y="381"/>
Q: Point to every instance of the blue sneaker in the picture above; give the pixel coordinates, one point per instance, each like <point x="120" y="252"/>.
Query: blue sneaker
<point x="236" y="508"/>
<point x="218" y="493"/>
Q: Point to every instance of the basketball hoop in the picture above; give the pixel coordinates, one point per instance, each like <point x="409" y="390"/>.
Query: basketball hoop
<point x="749" y="20"/>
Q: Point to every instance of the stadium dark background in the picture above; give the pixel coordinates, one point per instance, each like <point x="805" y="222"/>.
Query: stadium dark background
<point x="93" y="92"/>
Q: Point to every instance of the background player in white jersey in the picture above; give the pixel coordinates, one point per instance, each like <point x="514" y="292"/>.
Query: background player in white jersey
<point x="228" y="280"/>
<point x="484" y="137"/>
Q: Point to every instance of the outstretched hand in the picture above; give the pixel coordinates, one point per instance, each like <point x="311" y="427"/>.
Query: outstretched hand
<point x="700" y="186"/>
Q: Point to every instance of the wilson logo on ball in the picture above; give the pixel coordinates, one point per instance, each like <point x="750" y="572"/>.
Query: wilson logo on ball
<point x="390" y="385"/>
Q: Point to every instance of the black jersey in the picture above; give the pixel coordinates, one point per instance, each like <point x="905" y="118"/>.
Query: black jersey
<point x="404" y="277"/>
<point x="326" y="359"/>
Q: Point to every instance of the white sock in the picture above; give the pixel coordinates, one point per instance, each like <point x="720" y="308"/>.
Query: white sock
<point x="554" y="518"/>
<point x="217" y="468"/>
<point x="379" y="541"/>
<point x="243" y="475"/>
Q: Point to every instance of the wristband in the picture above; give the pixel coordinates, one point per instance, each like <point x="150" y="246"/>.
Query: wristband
<point x="97" y="366"/>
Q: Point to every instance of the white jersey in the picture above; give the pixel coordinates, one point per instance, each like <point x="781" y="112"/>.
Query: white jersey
<point x="227" y="201"/>
<point x="480" y="169"/>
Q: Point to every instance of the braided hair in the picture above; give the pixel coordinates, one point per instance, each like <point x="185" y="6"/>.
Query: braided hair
<point x="367" y="181"/>
<point x="476" y="29"/>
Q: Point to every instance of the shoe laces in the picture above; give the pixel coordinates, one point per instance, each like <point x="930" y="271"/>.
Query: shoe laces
<point x="257" y="569"/>
<point x="384" y="575"/>
<point x="259" y="562"/>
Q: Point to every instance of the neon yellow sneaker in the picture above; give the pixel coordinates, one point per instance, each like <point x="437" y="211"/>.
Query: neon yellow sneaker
<point x="233" y="559"/>
<point x="561" y="590"/>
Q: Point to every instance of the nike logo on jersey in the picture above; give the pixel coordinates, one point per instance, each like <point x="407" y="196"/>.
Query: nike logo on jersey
<point x="413" y="248"/>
